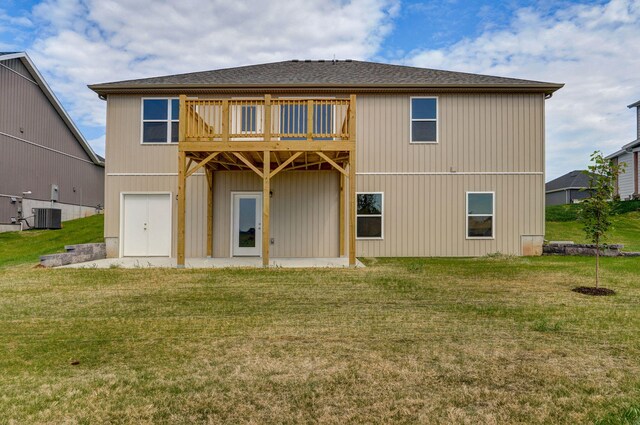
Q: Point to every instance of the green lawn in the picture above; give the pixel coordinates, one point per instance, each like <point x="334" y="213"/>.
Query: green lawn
<point x="562" y="225"/>
<point x="488" y="340"/>
<point x="28" y="246"/>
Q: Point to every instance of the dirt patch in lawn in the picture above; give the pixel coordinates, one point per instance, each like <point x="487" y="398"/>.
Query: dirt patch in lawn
<point x="590" y="290"/>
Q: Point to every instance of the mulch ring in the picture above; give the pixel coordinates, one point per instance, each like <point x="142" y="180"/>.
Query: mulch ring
<point x="590" y="290"/>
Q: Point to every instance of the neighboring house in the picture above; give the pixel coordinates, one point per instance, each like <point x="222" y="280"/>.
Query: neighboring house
<point x="627" y="185"/>
<point x="262" y="160"/>
<point x="44" y="160"/>
<point x="568" y="189"/>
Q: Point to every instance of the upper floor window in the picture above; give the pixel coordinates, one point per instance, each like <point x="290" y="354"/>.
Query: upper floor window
<point x="424" y="120"/>
<point x="293" y="121"/>
<point x="480" y="215"/>
<point x="160" y="119"/>
<point x="248" y="117"/>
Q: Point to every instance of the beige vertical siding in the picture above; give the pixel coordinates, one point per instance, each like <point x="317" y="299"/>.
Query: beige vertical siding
<point x="477" y="133"/>
<point x="495" y="142"/>
<point x="426" y="215"/>
<point x="304" y="212"/>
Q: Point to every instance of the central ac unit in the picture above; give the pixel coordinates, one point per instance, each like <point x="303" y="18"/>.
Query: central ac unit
<point x="47" y="218"/>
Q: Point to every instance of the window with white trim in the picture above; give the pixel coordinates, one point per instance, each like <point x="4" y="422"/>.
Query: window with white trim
<point x="480" y="215"/>
<point x="369" y="219"/>
<point x="424" y="120"/>
<point x="160" y="118"/>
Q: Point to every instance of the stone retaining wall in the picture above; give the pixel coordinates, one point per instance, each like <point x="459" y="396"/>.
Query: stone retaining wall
<point x="569" y="248"/>
<point x="75" y="254"/>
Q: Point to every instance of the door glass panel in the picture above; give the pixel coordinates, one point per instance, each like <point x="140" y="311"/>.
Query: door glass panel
<point x="247" y="223"/>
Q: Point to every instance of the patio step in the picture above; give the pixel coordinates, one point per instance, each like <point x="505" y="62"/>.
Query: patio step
<point x="75" y="254"/>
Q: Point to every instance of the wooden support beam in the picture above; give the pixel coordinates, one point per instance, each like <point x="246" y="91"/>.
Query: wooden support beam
<point x="284" y="145"/>
<point x="201" y="163"/>
<point x="210" y="213"/>
<point x="249" y="164"/>
<point x="225" y="120"/>
<point x="284" y="164"/>
<point x="266" y="197"/>
<point x="267" y="118"/>
<point x="233" y="164"/>
<point x="352" y="117"/>
<point x="332" y="162"/>
<point x="182" y="183"/>
<point x="341" y="212"/>
<point x="297" y="167"/>
<point x="352" y="182"/>
<point x="182" y="116"/>
<point x="352" y="209"/>
<point x="310" y="120"/>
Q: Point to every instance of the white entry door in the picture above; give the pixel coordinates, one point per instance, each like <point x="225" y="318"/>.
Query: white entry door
<point x="247" y="224"/>
<point x="146" y="226"/>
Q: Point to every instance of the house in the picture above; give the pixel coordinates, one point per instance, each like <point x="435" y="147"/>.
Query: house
<point x="324" y="159"/>
<point x="567" y="189"/>
<point x="627" y="184"/>
<point x="45" y="160"/>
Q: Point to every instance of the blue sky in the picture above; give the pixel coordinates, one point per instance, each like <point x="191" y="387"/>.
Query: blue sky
<point x="589" y="45"/>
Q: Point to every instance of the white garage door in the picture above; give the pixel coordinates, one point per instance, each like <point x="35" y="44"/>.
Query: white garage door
<point x="146" y="225"/>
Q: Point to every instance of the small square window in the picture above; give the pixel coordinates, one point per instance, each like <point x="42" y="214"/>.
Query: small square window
<point x="160" y="120"/>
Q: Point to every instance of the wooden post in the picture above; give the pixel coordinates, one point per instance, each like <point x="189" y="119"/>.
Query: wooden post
<point x="352" y="208"/>
<point x="182" y="117"/>
<point x="309" y="120"/>
<point x="352" y="182"/>
<point x="267" y="118"/>
<point x="182" y="183"/>
<point x="225" y="120"/>
<point x="342" y="211"/>
<point x="266" y="197"/>
<point x="210" y="213"/>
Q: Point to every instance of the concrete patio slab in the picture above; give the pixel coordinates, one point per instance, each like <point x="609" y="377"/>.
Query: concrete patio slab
<point x="212" y="263"/>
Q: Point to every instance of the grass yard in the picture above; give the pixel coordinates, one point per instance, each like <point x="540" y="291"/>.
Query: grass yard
<point x="562" y="224"/>
<point x="489" y="340"/>
<point x="28" y="246"/>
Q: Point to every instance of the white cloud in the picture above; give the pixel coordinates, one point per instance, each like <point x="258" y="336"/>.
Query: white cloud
<point x="91" y="41"/>
<point x="593" y="49"/>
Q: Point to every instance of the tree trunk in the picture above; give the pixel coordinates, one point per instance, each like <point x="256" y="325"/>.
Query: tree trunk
<point x="597" y="262"/>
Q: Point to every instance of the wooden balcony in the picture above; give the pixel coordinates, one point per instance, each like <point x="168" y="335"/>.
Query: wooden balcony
<point x="267" y="135"/>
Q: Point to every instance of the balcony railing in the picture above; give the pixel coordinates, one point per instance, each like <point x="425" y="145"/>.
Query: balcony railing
<point x="228" y="120"/>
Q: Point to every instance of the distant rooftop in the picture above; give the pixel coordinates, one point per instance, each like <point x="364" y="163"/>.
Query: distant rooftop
<point x="573" y="179"/>
<point x="326" y="73"/>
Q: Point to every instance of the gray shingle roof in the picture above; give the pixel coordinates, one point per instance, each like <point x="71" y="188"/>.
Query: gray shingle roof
<point x="326" y="74"/>
<point x="573" y="179"/>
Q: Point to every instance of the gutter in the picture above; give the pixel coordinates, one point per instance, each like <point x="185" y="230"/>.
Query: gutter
<point x="565" y="188"/>
<point x="105" y="89"/>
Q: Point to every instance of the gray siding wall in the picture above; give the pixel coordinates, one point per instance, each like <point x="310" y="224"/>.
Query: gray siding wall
<point x="37" y="149"/>
<point x="625" y="181"/>
<point x="556" y="198"/>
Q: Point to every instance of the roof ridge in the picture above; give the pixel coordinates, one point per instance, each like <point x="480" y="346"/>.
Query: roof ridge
<point x="320" y="73"/>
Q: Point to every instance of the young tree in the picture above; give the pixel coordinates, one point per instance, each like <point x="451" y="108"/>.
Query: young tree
<point x="596" y="210"/>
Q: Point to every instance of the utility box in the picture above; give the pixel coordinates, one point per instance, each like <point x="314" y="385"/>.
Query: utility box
<point x="47" y="218"/>
<point x="54" y="193"/>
